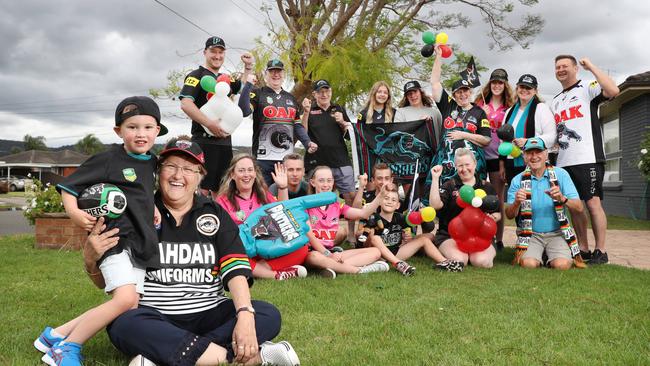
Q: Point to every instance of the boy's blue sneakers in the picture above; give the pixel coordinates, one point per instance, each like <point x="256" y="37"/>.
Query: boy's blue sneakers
<point x="46" y="340"/>
<point x="63" y="354"/>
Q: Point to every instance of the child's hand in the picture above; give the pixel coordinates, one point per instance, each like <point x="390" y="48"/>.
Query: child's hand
<point x="363" y="181"/>
<point x="157" y="218"/>
<point x="82" y="219"/>
<point x="337" y="257"/>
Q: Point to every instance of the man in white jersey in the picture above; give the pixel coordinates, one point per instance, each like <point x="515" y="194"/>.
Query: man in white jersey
<point x="580" y="138"/>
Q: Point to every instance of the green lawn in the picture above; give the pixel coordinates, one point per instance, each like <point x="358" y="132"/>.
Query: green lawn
<point x="13" y="194"/>
<point x="614" y="223"/>
<point x="502" y="316"/>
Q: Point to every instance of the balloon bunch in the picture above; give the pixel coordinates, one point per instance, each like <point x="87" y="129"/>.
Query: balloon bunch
<point x="430" y="41"/>
<point x="219" y="106"/>
<point x="415" y="218"/>
<point x="473" y="229"/>
<point x="507" y="133"/>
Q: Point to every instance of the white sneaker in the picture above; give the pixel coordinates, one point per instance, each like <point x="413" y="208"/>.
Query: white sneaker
<point x="328" y="273"/>
<point x="378" y="266"/>
<point x="140" y="360"/>
<point x="278" y="354"/>
<point x="291" y="272"/>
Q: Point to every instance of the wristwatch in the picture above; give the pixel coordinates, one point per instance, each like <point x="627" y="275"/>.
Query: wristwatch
<point x="566" y="199"/>
<point x="250" y="309"/>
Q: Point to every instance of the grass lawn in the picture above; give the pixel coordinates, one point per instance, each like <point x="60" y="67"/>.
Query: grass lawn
<point x="13" y="194"/>
<point x="613" y="223"/>
<point x="500" y="316"/>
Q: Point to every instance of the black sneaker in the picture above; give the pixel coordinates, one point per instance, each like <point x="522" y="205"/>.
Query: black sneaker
<point x="598" y="257"/>
<point x="449" y="266"/>
<point x="586" y="256"/>
<point x="498" y="245"/>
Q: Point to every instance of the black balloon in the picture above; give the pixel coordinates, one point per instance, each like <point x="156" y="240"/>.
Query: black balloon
<point x="506" y="133"/>
<point x="490" y="204"/>
<point x="372" y="221"/>
<point x="427" y="50"/>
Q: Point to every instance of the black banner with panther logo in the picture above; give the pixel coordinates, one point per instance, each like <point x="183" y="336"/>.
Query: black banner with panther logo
<point x="399" y="145"/>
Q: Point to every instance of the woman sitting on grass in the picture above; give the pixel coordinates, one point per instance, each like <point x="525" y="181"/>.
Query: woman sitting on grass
<point x="326" y="233"/>
<point x="396" y="245"/>
<point x="443" y="199"/>
<point x="243" y="191"/>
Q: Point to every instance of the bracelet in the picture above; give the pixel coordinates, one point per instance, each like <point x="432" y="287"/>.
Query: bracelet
<point x="327" y="252"/>
<point x="566" y="199"/>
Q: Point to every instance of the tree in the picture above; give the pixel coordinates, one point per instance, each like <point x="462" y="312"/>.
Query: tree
<point x="89" y="145"/>
<point x="354" y="43"/>
<point x="15" y="150"/>
<point x="34" y="143"/>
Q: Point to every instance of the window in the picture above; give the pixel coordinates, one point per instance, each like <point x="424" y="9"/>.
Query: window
<point x="613" y="153"/>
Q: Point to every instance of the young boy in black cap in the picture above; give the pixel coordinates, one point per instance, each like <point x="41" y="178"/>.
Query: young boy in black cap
<point x="131" y="167"/>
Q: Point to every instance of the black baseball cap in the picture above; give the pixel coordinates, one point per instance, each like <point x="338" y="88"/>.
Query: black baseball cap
<point x="460" y="84"/>
<point x="186" y="147"/>
<point x="215" y="42"/>
<point x="499" y="74"/>
<point x="528" y="80"/>
<point x="144" y="106"/>
<point x="320" y="84"/>
<point x="411" y="85"/>
<point x="274" y="64"/>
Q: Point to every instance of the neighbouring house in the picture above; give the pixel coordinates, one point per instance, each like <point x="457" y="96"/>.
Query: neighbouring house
<point x="47" y="166"/>
<point x="625" y="120"/>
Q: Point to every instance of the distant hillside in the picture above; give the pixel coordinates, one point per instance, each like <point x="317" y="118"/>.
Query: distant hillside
<point x="7" y="145"/>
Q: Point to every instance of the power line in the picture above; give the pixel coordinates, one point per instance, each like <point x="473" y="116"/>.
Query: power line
<point x="247" y="13"/>
<point x="182" y="17"/>
<point x="32" y="102"/>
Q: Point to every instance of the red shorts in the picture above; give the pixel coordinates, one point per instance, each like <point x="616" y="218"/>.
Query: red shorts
<point x="294" y="258"/>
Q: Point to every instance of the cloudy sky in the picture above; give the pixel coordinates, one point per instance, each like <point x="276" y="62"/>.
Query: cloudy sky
<point x="66" y="64"/>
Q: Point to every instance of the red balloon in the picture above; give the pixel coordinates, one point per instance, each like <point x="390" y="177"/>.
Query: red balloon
<point x="446" y="51"/>
<point x="224" y="77"/>
<point x="472" y="218"/>
<point x="460" y="203"/>
<point x="210" y="95"/>
<point x="473" y="244"/>
<point x="457" y="229"/>
<point x="415" y="217"/>
<point x="488" y="229"/>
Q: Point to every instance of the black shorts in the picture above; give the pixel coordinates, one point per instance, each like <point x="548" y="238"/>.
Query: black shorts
<point x="492" y="165"/>
<point x="441" y="236"/>
<point x="588" y="179"/>
<point x="512" y="170"/>
<point x="217" y="160"/>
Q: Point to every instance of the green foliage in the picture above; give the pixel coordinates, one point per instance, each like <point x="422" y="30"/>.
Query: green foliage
<point x="42" y="199"/>
<point x="643" y="161"/>
<point x="89" y="145"/>
<point x="478" y="317"/>
<point x="175" y="79"/>
<point x="34" y="143"/>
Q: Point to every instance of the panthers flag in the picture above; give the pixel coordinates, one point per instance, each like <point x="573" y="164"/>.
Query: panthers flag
<point x="471" y="74"/>
<point x="399" y="145"/>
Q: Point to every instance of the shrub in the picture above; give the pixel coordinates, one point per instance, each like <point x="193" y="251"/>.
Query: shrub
<point x="42" y="199"/>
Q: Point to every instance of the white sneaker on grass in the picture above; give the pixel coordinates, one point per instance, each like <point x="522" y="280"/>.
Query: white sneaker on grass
<point x="328" y="273"/>
<point x="378" y="266"/>
<point x="278" y="354"/>
<point x="140" y="360"/>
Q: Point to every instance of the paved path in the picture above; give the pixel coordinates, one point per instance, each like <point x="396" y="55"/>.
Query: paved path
<point x="13" y="222"/>
<point x="629" y="248"/>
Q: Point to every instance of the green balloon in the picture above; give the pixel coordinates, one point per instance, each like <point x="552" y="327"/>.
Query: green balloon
<point x="428" y="37"/>
<point x="467" y="193"/>
<point x="505" y="148"/>
<point x="208" y="82"/>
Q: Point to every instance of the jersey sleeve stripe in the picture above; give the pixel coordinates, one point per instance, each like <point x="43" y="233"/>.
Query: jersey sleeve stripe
<point x="68" y="190"/>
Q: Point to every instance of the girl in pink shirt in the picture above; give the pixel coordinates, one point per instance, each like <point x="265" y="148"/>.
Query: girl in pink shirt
<point x="243" y="191"/>
<point x="326" y="233"/>
<point x="495" y="98"/>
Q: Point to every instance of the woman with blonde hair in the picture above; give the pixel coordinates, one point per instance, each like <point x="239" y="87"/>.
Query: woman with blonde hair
<point x="379" y="107"/>
<point x="495" y="98"/>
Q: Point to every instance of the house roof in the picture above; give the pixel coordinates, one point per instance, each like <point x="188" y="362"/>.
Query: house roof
<point x="51" y="158"/>
<point x="642" y="79"/>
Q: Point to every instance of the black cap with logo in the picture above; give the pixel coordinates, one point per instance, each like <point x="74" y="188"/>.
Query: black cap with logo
<point x="411" y="85"/>
<point x="144" y="106"/>
<point x="275" y="64"/>
<point x="528" y="80"/>
<point x="215" y="42"/>
<point x="460" y="84"/>
<point x="320" y="84"/>
<point x="186" y="147"/>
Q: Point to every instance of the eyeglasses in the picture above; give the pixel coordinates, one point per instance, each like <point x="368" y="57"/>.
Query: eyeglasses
<point x="171" y="168"/>
<point x="323" y="180"/>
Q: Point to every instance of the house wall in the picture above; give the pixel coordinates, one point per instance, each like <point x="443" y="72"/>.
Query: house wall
<point x="632" y="198"/>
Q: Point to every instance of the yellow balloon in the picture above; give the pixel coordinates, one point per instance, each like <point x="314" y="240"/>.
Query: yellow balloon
<point x="516" y="151"/>
<point x="480" y="193"/>
<point x="428" y="214"/>
<point x="442" y="38"/>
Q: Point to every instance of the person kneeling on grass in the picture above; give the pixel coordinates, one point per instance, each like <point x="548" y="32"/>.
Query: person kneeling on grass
<point x="537" y="197"/>
<point x="396" y="246"/>
<point x="324" y="222"/>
